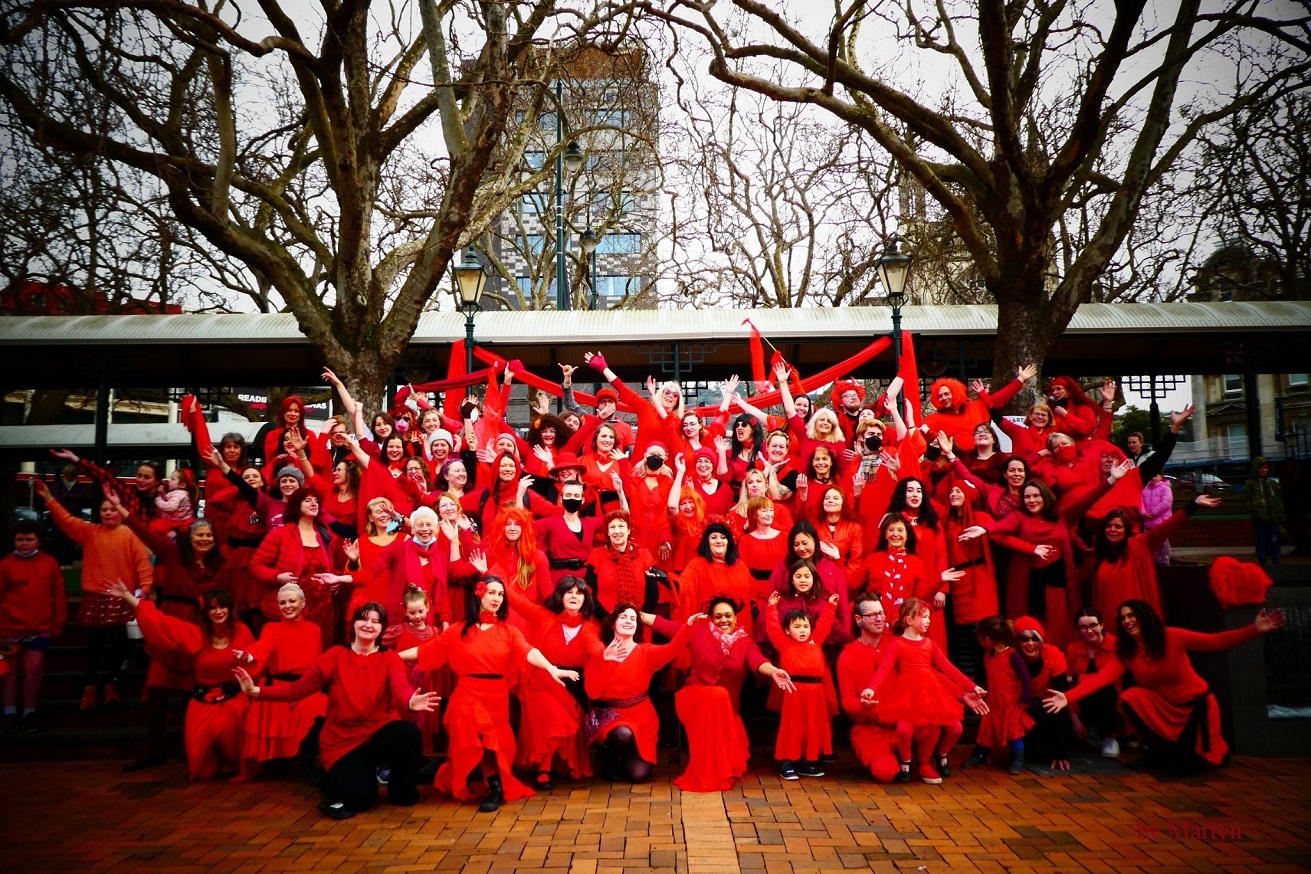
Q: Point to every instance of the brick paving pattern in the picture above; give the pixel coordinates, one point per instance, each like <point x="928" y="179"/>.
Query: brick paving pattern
<point x="1252" y="816"/>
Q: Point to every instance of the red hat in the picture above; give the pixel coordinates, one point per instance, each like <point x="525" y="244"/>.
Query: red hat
<point x="705" y="452"/>
<point x="1028" y="623"/>
<point x="607" y="393"/>
<point x="566" y="461"/>
<point x="842" y="386"/>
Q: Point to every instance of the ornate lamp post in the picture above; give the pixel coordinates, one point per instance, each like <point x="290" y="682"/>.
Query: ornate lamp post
<point x="894" y="269"/>
<point x="470" y="280"/>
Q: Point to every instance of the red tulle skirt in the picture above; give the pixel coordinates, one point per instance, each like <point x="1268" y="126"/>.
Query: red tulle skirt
<point x="478" y="721"/>
<point x="716" y="739"/>
<point x="920" y="698"/>
<point x="212" y="735"/>
<point x="805" y="728"/>
<point x="275" y="729"/>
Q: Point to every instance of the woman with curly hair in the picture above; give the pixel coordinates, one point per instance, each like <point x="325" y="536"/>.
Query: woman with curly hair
<point x="511" y="553"/>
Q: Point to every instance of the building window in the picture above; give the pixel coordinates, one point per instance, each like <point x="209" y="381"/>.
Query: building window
<point x="1232" y="385"/>
<point x="1236" y="441"/>
<point x="525" y="284"/>
<point x="534" y="160"/>
<point x="1297" y="382"/>
<point x="609" y="115"/>
<point x="533" y="204"/>
<point x="620" y="244"/>
<point x="605" y="204"/>
<point x="533" y="244"/>
<point x="615" y="287"/>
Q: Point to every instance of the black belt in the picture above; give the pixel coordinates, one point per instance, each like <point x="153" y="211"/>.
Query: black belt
<point x="238" y="542"/>
<point x="761" y="575"/>
<point x="284" y="678"/>
<point x="573" y="564"/>
<point x="619" y="703"/>
<point x="486" y="676"/>
<point x="806" y="679"/>
<point x="179" y="599"/>
<point x="216" y="694"/>
<point x="960" y="566"/>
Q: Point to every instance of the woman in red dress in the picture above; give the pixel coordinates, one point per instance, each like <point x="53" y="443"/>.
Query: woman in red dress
<point x="620" y="570"/>
<point x="300" y="552"/>
<point x="362" y="731"/>
<point x="716" y="569"/>
<point x="622" y="721"/>
<point x="217" y="710"/>
<point x="551" y="719"/>
<point x="763" y="545"/>
<point x="1175" y="714"/>
<point x="894" y="571"/>
<point x="485" y="653"/>
<point x="512" y="555"/>
<point x="920" y="688"/>
<point x="840" y="538"/>
<point x="722" y="656"/>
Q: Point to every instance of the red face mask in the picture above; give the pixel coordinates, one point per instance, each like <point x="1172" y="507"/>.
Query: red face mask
<point x="1066" y="454"/>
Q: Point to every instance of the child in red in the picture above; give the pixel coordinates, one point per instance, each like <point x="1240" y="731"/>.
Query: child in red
<point x="176" y="506"/>
<point x="1009" y="694"/>
<point x="414" y="632"/>
<point x="805" y="731"/>
<point x="921" y="688"/>
<point x="33" y="609"/>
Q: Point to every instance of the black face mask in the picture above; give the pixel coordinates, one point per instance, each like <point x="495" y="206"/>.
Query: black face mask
<point x="572" y="505"/>
<point x="654" y="462"/>
<point x="874" y="442"/>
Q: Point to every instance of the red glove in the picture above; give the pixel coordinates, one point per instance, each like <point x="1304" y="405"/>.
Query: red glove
<point x="597" y="363"/>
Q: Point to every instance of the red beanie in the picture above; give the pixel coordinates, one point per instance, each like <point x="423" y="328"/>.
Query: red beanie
<point x="1028" y="623"/>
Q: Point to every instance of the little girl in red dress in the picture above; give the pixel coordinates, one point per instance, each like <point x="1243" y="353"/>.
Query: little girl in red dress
<point x="805" y="730"/>
<point x="414" y="632"/>
<point x="1009" y="693"/>
<point x="919" y="687"/>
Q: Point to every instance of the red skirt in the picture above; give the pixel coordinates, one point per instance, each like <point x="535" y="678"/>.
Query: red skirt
<point x="550" y="725"/>
<point x="716" y="739"/>
<point x="641" y="719"/>
<point x="805" y="729"/>
<point x="1001" y="725"/>
<point x="429" y="721"/>
<point x="1171" y="720"/>
<point x="212" y="735"/>
<point x="102" y="611"/>
<point x="921" y="698"/>
<point x="275" y="729"/>
<point x="478" y="721"/>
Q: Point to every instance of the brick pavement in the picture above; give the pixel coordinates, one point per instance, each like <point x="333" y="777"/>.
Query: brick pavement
<point x="1252" y="816"/>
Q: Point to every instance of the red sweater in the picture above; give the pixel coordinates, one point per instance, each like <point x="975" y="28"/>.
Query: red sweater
<point x="32" y="599"/>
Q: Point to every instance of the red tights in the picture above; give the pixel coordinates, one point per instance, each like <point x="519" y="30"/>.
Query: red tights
<point x="938" y="738"/>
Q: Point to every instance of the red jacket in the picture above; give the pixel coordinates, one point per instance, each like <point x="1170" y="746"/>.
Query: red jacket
<point x="32" y="599"/>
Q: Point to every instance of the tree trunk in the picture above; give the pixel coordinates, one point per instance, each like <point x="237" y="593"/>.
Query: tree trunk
<point x="1027" y="326"/>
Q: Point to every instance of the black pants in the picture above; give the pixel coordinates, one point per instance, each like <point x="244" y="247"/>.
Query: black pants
<point x="1099" y="711"/>
<point x="112" y="638"/>
<point x="353" y="780"/>
<point x="1049" y="739"/>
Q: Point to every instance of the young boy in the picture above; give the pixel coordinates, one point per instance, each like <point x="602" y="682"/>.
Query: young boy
<point x="805" y="730"/>
<point x="33" y="609"/>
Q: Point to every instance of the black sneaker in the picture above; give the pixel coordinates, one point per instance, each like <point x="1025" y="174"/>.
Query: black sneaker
<point x="787" y="772"/>
<point x="975" y="760"/>
<point x="903" y="773"/>
<point x="383" y="774"/>
<point x="810" y="769"/>
<point x="943" y="766"/>
<point x="335" y="810"/>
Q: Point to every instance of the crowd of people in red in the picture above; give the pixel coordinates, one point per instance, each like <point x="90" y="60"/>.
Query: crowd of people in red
<point x="368" y="589"/>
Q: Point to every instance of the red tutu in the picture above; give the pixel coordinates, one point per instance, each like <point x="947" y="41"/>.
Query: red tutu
<point x="716" y="739"/>
<point x="915" y="691"/>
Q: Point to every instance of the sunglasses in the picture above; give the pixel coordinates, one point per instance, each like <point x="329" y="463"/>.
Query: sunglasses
<point x="1030" y="638"/>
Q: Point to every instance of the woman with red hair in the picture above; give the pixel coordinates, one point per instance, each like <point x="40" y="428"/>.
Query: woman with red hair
<point x="619" y="571"/>
<point x="1077" y="414"/>
<point x="291" y="417"/>
<point x="687" y="517"/>
<point x="957" y="416"/>
<point x="512" y="555"/>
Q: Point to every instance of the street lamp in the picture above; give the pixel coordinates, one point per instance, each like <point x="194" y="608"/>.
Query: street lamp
<point x="894" y="269"/>
<point x="470" y="280"/>
<point x="587" y="242"/>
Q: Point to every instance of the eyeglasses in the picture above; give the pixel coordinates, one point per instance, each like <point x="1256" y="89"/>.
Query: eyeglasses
<point x="1030" y="638"/>
<point x="1093" y="627"/>
<point x="869" y="615"/>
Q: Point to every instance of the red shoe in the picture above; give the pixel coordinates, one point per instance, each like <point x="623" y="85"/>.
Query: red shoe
<point x="88" y="698"/>
<point x="111" y="694"/>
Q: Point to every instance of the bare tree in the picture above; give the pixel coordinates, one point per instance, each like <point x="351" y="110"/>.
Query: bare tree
<point x="326" y="160"/>
<point x="1056" y="119"/>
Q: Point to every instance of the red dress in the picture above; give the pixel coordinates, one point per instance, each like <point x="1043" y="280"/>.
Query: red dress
<point x="213" y="729"/>
<point x="566" y="550"/>
<point x="620" y="576"/>
<point x="551" y="719"/>
<point x="365" y="692"/>
<point x="478" y="714"/>
<point x="805" y="730"/>
<point x="618" y="693"/>
<point x="429" y="721"/>
<point x="702" y="579"/>
<point x="761" y="557"/>
<point x="1169" y="691"/>
<point x="274" y="729"/>
<point x="707" y="705"/>
<point x="914" y="684"/>
<point x="1009" y="693"/>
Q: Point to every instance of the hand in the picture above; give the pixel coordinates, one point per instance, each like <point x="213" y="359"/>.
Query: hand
<point x="1060" y="764"/>
<point x="1177" y="419"/>
<point x="802" y="484"/>
<point x="1208" y="501"/>
<point x="975" y="702"/>
<point x="831" y="550"/>
<point x="1026" y="372"/>
<point x="940" y="600"/>
<point x="42" y="490"/>
<point x="1055" y="701"/>
<point x="215" y="459"/>
<point x="695" y="618"/>
<point x="424" y="701"/>
<point x="972" y="532"/>
<point x="285" y="577"/>
<point x="848" y="456"/>
<point x="562" y="674"/>
<point x="330" y="377"/>
<point x="783" y="680"/>
<point x="890" y="461"/>
<point x="951" y="575"/>
<point x="652" y="386"/>
<point x="1108" y="397"/>
<point x="977" y="386"/>
<point x="595" y="360"/>
<point x="1121" y="469"/>
<point x="723" y="444"/>
<point x="542" y="404"/>
<point x="1045" y="552"/>
<point x="509" y="376"/>
<point x="487" y="455"/>
<point x="478" y="559"/>
<point x="617" y="481"/>
<point x="943" y="442"/>
<point x="243" y="657"/>
<point x="568" y="371"/>
<point x="245" y="682"/>
<point x="680" y="463"/>
<point x="297" y="442"/>
<point x="525" y="483"/>
<point x="65" y="454"/>
<point x="351" y="548"/>
<point x="781" y="370"/>
<point x="118" y="589"/>
<point x="331" y="582"/>
<point x="774" y="598"/>
<point x="665" y="552"/>
<point x="543" y="455"/>
<point x="867" y="697"/>
<point x="618" y="650"/>
<point x="834" y="599"/>
<point x="1267" y="621"/>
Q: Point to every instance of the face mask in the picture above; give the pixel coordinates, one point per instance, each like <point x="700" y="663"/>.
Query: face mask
<point x="874" y="443"/>
<point x="1066" y="454"/>
<point x="654" y="462"/>
<point x="572" y="505"/>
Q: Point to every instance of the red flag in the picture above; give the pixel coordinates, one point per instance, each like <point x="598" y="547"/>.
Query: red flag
<point x="758" y="376"/>
<point x="454" y="370"/>
<point x="910" y="375"/>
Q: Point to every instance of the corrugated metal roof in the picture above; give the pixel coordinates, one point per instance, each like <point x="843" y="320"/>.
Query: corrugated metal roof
<point x="585" y="327"/>
<point x="157" y="434"/>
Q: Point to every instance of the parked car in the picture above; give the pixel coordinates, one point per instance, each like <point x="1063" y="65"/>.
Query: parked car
<point x="1196" y="480"/>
